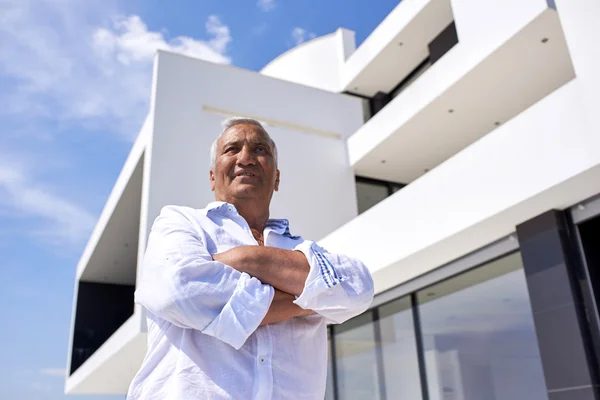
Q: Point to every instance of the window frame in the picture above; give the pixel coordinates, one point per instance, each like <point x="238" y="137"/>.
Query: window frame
<point x="491" y="252"/>
<point x="476" y="259"/>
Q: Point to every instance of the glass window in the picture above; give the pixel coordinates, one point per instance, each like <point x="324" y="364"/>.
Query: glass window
<point x="589" y="232"/>
<point x="356" y="360"/>
<point x="366" y="107"/>
<point x="368" y="194"/>
<point x="329" y="387"/>
<point x="478" y="336"/>
<point x="399" y="350"/>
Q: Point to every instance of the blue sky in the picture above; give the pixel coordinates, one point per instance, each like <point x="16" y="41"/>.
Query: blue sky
<point x="75" y="82"/>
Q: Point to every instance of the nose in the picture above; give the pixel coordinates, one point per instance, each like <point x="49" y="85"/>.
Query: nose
<point x="246" y="156"/>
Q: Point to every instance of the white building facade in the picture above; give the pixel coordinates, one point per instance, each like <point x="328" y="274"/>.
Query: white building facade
<point x="454" y="152"/>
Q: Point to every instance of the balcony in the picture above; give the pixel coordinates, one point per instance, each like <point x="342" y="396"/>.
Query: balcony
<point x="395" y="47"/>
<point x="472" y="90"/>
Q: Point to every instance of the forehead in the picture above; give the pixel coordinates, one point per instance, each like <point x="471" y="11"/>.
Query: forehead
<point x="244" y="133"/>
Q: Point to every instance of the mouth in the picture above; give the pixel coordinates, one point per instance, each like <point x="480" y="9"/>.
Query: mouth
<point x="245" y="174"/>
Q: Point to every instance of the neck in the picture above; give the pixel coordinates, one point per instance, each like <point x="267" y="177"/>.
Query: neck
<point x="254" y="212"/>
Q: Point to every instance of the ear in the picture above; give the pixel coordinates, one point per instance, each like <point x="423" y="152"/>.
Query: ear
<point x="211" y="174"/>
<point x="277" y="175"/>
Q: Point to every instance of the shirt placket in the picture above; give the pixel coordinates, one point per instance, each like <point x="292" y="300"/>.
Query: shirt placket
<point x="264" y="365"/>
<point x="264" y="353"/>
<point x="264" y="342"/>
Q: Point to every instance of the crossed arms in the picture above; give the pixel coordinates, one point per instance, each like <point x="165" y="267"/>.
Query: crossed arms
<point x="285" y="270"/>
<point x="229" y="295"/>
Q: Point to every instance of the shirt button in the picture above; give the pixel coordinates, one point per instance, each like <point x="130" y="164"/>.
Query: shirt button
<point x="262" y="360"/>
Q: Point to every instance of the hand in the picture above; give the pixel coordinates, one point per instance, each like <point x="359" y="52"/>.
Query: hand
<point x="283" y="308"/>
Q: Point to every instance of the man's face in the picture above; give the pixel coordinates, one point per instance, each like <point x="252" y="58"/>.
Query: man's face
<point x="245" y="165"/>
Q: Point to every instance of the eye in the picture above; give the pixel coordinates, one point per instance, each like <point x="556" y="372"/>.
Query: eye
<point x="261" y="149"/>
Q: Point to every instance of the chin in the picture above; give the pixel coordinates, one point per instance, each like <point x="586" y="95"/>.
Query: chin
<point x="245" y="192"/>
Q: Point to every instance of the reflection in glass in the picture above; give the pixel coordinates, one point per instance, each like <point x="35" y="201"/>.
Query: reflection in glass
<point x="479" y="337"/>
<point x="399" y="350"/>
<point x="329" y="386"/>
<point x="368" y="194"/>
<point x="356" y="363"/>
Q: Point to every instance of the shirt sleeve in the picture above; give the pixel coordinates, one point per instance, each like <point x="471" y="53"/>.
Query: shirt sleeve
<point x="181" y="283"/>
<point x="337" y="287"/>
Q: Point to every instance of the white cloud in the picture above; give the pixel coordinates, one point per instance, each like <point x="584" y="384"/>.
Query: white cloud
<point x="41" y="387"/>
<point x="57" y="220"/>
<point x="266" y="5"/>
<point x="61" y="372"/>
<point x="74" y="66"/>
<point x="62" y="63"/>
<point x="129" y="41"/>
<point x="301" y="35"/>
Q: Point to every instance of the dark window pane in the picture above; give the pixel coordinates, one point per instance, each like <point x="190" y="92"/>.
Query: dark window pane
<point x="368" y="194"/>
<point x="446" y="40"/>
<point x="101" y="309"/>
<point x="329" y="388"/>
<point x="589" y="232"/>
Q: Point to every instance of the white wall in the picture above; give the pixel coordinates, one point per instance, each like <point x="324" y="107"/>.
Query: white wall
<point x="579" y="20"/>
<point x="316" y="63"/>
<point x="544" y="158"/>
<point x="317" y="192"/>
<point x="486" y="24"/>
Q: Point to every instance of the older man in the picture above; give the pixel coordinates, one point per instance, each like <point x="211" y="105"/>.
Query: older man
<point x="237" y="306"/>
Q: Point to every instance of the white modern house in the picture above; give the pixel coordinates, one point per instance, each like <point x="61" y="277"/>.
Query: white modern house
<point x="455" y="151"/>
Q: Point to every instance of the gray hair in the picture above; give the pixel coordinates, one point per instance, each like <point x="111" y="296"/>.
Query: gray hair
<point x="228" y="123"/>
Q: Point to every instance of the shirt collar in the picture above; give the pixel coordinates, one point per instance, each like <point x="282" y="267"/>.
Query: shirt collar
<point x="217" y="206"/>
<point x="281" y="226"/>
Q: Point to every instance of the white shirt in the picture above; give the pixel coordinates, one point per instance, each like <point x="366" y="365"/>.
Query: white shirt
<point x="204" y="339"/>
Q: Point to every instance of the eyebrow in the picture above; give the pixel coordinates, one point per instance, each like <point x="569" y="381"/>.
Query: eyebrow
<point x="262" y="142"/>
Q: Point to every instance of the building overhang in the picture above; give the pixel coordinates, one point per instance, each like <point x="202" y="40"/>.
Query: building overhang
<point x="464" y="96"/>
